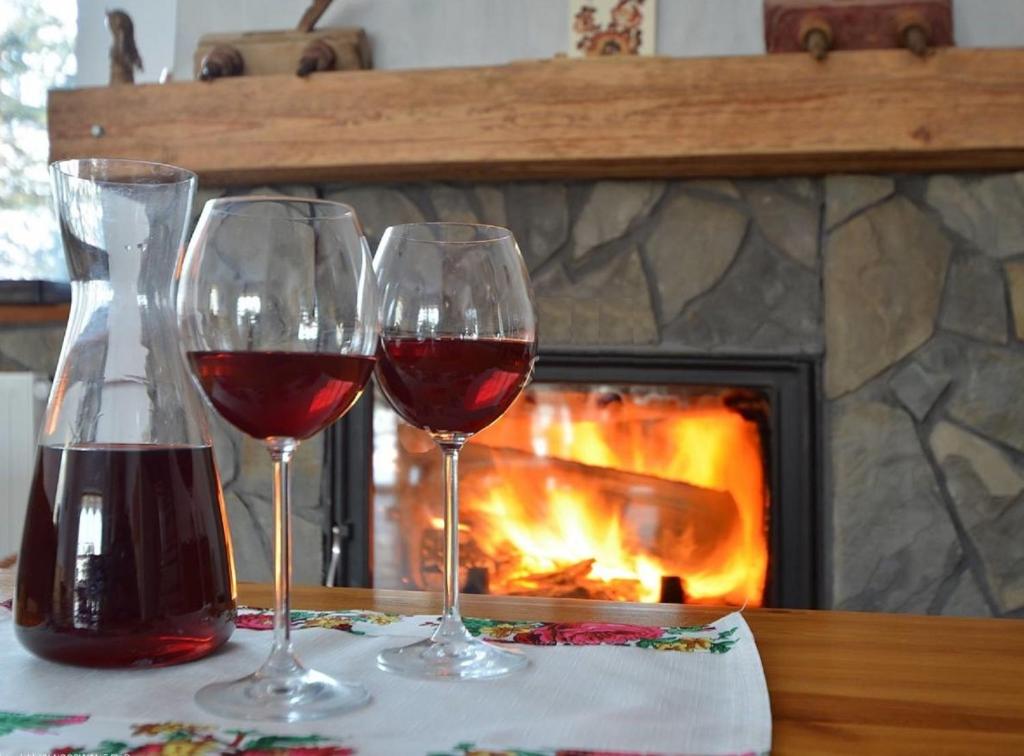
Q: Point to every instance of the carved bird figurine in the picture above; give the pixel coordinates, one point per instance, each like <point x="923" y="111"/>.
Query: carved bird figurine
<point x="124" y="56"/>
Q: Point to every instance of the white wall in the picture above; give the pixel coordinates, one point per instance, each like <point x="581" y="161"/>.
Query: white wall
<point x="989" y="23"/>
<point x="154" y="22"/>
<point x="409" y="34"/>
<point x="417" y="33"/>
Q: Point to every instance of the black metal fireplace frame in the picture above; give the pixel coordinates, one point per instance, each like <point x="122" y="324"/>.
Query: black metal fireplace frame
<point x="791" y="385"/>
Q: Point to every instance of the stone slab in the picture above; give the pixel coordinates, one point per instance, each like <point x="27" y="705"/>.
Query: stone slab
<point x="491" y="201"/>
<point x="766" y="304"/>
<point x="790" y="226"/>
<point x="800" y="186"/>
<point x="255" y="475"/>
<point x="918" y="388"/>
<point x="253" y="554"/>
<point x="974" y="303"/>
<point x="451" y="203"/>
<point x="538" y="216"/>
<point x="993" y="469"/>
<point x="848" y="195"/>
<point x="987" y="398"/>
<point x="987" y="211"/>
<point x="893" y="540"/>
<point x="301" y="191"/>
<point x="610" y="210"/>
<point x="966" y="599"/>
<point x="252" y="526"/>
<point x="883" y="278"/>
<point x="690" y="247"/>
<point x="202" y="196"/>
<point x="722" y="187"/>
<point x="987" y="489"/>
<point x="609" y="306"/>
<point x="377" y="208"/>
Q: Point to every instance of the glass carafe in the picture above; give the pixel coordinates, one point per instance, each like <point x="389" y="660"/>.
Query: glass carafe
<point x="125" y="558"/>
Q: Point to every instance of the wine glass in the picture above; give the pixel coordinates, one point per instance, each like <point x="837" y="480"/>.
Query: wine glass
<point x="458" y="342"/>
<point x="277" y="313"/>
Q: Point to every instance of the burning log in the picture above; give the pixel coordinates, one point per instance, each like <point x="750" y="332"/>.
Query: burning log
<point x="680" y="512"/>
<point x="570" y="575"/>
<point x="512" y="520"/>
<point x="573" y="581"/>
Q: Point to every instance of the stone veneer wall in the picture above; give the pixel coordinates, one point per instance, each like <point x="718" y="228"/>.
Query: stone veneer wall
<point x="911" y="289"/>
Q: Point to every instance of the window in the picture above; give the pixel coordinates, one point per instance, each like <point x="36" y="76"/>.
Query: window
<point x="36" y="53"/>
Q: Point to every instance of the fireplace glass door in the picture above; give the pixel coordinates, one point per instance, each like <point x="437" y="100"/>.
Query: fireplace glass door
<point x="617" y="477"/>
<point x="605" y="491"/>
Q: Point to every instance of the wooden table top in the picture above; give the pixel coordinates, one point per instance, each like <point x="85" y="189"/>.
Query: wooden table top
<point x="840" y="682"/>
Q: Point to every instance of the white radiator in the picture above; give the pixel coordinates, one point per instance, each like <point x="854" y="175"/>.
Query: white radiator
<point x="22" y="403"/>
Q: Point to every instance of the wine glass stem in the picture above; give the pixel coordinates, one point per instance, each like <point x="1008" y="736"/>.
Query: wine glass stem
<point x="281" y="451"/>
<point x="450" y="450"/>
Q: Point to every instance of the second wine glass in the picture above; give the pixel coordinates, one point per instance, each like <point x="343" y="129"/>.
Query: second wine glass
<point x="458" y="341"/>
<point x="277" y="313"/>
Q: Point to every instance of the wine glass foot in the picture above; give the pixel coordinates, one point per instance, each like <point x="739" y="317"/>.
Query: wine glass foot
<point x="452" y="659"/>
<point x="302" y="695"/>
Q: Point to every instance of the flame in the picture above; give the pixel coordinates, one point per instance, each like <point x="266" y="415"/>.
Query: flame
<point x="437" y="523"/>
<point x="570" y="536"/>
<point x="686" y="497"/>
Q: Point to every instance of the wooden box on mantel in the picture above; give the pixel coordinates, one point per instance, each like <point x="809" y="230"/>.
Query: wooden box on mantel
<point x="278" y="52"/>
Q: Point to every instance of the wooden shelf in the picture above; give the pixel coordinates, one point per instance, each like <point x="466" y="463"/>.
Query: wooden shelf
<point x="33" y="314"/>
<point x="740" y="116"/>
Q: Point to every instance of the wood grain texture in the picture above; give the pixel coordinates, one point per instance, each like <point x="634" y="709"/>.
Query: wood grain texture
<point x="23" y="314"/>
<point x="777" y="114"/>
<point x="840" y="682"/>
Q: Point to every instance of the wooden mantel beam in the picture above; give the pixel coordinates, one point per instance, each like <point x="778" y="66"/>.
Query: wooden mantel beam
<point x="657" y="117"/>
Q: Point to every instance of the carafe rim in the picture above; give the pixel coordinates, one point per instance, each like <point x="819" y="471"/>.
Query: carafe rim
<point x="161" y="174"/>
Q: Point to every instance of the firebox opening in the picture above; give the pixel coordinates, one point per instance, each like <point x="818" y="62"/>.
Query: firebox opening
<point x="605" y="480"/>
<point x="628" y="492"/>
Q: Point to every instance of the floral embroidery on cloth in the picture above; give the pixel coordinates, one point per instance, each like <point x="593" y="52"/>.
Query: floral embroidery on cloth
<point x="688" y="639"/>
<point x="260" y="619"/>
<point x="12" y="721"/>
<point x="185" y="739"/>
<point x="469" y="749"/>
<point x="692" y="638"/>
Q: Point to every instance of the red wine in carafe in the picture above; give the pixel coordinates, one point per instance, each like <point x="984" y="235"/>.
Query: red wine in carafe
<point x="125" y="559"/>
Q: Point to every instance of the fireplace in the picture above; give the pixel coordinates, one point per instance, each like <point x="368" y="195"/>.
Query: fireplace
<point x="890" y="491"/>
<point x="618" y="476"/>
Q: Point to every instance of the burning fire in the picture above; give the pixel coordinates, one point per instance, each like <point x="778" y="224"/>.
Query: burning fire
<point x="575" y="493"/>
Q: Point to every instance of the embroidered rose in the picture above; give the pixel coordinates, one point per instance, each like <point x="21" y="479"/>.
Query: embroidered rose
<point x="179" y="729"/>
<point x="586" y="634"/>
<point x="255" y="621"/>
<point x="328" y="622"/>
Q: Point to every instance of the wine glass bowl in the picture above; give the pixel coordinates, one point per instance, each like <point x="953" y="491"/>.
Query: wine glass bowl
<point x="458" y="343"/>
<point x="277" y="317"/>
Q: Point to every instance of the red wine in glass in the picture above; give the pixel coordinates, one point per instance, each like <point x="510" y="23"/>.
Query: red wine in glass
<point x="458" y="334"/>
<point x="124" y="559"/>
<point x="451" y="384"/>
<point x="292" y="394"/>
<point x="265" y="281"/>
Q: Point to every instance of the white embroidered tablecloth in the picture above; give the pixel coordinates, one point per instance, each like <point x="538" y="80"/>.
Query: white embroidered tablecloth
<point x="590" y="688"/>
